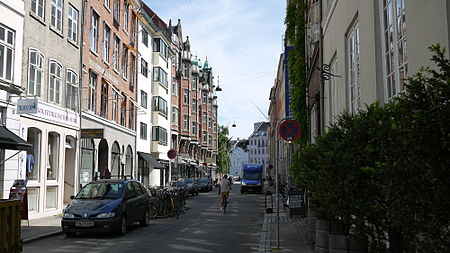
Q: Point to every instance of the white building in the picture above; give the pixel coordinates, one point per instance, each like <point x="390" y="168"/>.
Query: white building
<point x="157" y="86"/>
<point x="258" y="145"/>
<point x="371" y="46"/>
<point x="238" y="157"/>
<point x="11" y="39"/>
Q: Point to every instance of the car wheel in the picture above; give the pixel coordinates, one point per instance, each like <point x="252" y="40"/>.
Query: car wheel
<point x="123" y="225"/>
<point x="146" y="219"/>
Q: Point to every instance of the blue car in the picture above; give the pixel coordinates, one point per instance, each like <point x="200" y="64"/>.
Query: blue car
<point x="107" y="206"/>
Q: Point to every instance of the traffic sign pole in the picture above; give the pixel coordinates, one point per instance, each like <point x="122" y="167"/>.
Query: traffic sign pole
<point x="277" y="186"/>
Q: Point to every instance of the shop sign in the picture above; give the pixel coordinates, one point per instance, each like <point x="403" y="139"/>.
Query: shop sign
<point x="27" y="106"/>
<point x="92" y="133"/>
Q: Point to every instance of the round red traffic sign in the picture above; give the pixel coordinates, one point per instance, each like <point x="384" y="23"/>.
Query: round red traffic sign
<point x="289" y="130"/>
<point x="172" y="153"/>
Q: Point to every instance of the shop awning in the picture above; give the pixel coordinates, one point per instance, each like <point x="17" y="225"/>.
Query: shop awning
<point x="9" y="140"/>
<point x="152" y="161"/>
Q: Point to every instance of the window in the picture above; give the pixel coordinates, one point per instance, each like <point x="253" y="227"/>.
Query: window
<point x="133" y="29"/>
<point x="56" y="14"/>
<point x="194" y="81"/>
<point x="106" y="3"/>
<point x="72" y="90"/>
<point x="186" y="97"/>
<point x="394" y="44"/>
<point x="175" y="116"/>
<point x="123" y="111"/>
<point x="131" y="117"/>
<point x="186" y="120"/>
<point x="354" y="85"/>
<point x="175" y="86"/>
<point x="53" y="156"/>
<point x="37" y="7"/>
<point x="205" y="117"/>
<point x="205" y="98"/>
<point x="132" y="69"/>
<point x="143" y="130"/>
<point x="116" y="11"/>
<point x="194" y="104"/>
<point x="35" y="72"/>
<point x="159" y="134"/>
<point x="116" y="52"/>
<point x="7" y="45"/>
<point x="54" y="82"/>
<point x="160" y="105"/>
<point x="144" y="68"/>
<point x="186" y="70"/>
<point x="33" y="157"/>
<point x="205" y="136"/>
<point x="194" y="128"/>
<point x="159" y="75"/>
<point x="144" y="99"/>
<point x="72" y="22"/>
<point x="115" y="98"/>
<point x="160" y="46"/>
<point x="333" y="92"/>
<point x="124" y="61"/>
<point x="145" y="38"/>
<point x="106" y="42"/>
<point x="104" y="100"/>
<point x="92" y="91"/>
<point x="125" y="17"/>
<point x="94" y="32"/>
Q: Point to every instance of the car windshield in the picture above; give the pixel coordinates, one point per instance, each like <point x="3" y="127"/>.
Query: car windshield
<point x="176" y="183"/>
<point x="204" y="180"/>
<point x="101" y="191"/>
<point x="252" y="176"/>
<point x="189" y="181"/>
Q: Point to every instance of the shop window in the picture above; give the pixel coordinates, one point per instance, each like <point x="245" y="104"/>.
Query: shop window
<point x="87" y="161"/>
<point x="33" y="203"/>
<point x="129" y="163"/>
<point x="115" y="159"/>
<point x="51" y="197"/>
<point x="32" y="162"/>
<point x="53" y="156"/>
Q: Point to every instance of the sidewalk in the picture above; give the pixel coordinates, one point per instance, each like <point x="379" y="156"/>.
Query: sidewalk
<point x="291" y="234"/>
<point x="41" y="228"/>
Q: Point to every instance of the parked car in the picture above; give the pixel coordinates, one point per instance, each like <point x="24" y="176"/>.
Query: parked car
<point x="192" y="186"/>
<point x="179" y="184"/>
<point x="205" y="185"/>
<point x="107" y="206"/>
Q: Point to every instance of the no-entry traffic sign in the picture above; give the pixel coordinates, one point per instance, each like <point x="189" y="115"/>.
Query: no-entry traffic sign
<point x="289" y="130"/>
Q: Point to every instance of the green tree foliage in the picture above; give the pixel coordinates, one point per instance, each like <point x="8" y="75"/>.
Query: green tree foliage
<point x="385" y="171"/>
<point x="295" y="35"/>
<point x="223" y="154"/>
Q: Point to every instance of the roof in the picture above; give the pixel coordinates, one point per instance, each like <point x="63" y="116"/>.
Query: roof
<point x="260" y="129"/>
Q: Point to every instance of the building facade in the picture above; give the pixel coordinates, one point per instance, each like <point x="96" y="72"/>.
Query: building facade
<point x="50" y="76"/>
<point x="108" y="93"/>
<point x="258" y="143"/>
<point x="194" y="112"/>
<point x="238" y="156"/>
<point x="11" y="45"/>
<point x="154" y="85"/>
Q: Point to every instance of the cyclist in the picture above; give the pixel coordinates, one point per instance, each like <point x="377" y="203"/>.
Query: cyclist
<point x="225" y="187"/>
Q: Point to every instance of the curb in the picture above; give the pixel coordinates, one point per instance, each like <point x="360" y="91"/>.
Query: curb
<point x="40" y="237"/>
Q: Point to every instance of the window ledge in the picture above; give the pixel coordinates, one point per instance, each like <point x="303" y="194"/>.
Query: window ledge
<point x="39" y="19"/>
<point x="59" y="33"/>
<point x="74" y="43"/>
<point x="94" y="53"/>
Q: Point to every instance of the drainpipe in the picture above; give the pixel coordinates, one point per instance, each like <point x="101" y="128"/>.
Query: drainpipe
<point x="80" y="85"/>
<point x="322" y="81"/>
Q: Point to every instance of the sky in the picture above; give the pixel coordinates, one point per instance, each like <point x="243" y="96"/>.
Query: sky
<point x="243" y="41"/>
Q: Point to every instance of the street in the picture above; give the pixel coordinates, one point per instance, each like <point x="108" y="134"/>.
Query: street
<point x="203" y="228"/>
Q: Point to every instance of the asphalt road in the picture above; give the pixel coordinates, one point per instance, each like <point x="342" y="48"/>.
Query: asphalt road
<point x="203" y="228"/>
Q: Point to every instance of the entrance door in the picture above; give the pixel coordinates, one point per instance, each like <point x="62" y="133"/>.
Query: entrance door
<point x="69" y="173"/>
<point x="103" y="152"/>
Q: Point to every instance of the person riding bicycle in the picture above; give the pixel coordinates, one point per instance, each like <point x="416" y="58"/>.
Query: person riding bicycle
<point x="225" y="187"/>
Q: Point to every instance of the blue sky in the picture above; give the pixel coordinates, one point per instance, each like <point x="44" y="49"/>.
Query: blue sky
<point x="243" y="41"/>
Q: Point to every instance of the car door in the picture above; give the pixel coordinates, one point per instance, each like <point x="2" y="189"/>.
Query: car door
<point x="131" y="203"/>
<point x="141" y="200"/>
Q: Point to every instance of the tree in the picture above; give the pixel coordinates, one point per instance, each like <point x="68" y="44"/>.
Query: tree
<point x="224" y="147"/>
